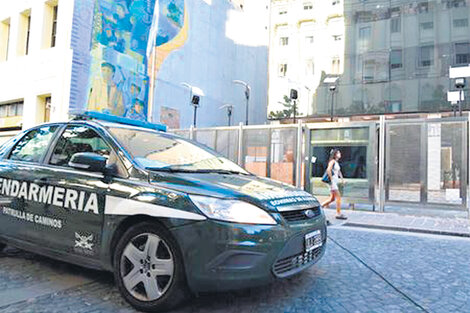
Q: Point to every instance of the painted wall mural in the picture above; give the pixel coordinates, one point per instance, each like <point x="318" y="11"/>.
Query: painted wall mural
<point x="170" y="117"/>
<point x="128" y="52"/>
<point x="172" y="30"/>
<point x="130" y="39"/>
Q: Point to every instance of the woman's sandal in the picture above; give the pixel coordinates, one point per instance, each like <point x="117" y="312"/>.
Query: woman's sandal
<point x="341" y="217"/>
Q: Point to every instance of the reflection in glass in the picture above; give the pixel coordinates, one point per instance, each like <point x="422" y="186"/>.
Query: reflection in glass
<point x="404" y="45"/>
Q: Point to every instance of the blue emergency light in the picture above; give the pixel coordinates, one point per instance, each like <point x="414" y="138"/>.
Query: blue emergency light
<point x="120" y="120"/>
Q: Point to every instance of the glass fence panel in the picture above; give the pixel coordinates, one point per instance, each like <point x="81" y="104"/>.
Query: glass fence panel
<point x="206" y="137"/>
<point x="355" y="148"/>
<point x="403" y="164"/>
<point x="182" y="133"/>
<point x="283" y="155"/>
<point x="227" y="144"/>
<point x="256" y="150"/>
<point x="445" y="163"/>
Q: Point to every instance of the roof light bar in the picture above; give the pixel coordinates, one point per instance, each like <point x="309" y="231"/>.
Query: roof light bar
<point x="120" y="120"/>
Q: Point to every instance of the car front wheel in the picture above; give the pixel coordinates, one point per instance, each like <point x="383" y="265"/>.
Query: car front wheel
<point x="148" y="268"/>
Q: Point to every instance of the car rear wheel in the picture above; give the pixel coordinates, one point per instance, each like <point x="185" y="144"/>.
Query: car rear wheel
<point x="148" y="268"/>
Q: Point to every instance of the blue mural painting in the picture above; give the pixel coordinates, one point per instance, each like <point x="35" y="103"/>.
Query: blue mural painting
<point x="118" y="83"/>
<point x="171" y="20"/>
<point x="110" y="74"/>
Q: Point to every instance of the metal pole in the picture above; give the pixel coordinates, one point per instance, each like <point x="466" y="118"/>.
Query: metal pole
<point x="151" y="92"/>
<point x="191" y="132"/>
<point x="460" y="101"/>
<point x="467" y="125"/>
<point x="240" y="145"/>
<point x="298" y="169"/>
<point x="247" y="104"/>
<point x="268" y="152"/>
<point x="195" y="115"/>
<point x="295" y="109"/>
<point x="464" y="164"/>
<point x="307" y="159"/>
<point x="381" y="159"/>
<point x="332" y="105"/>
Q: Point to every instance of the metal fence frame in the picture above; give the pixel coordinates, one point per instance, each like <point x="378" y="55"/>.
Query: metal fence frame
<point x="299" y="151"/>
<point x="370" y="158"/>
<point x="424" y="203"/>
<point x="377" y="158"/>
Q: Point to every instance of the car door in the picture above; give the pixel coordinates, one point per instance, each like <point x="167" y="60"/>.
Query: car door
<point x="21" y="178"/>
<point x="78" y="196"/>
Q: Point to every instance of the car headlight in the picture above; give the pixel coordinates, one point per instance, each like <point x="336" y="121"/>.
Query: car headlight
<point x="232" y="211"/>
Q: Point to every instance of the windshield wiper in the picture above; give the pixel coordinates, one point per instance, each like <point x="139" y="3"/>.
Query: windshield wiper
<point x="195" y="171"/>
<point x="230" y="172"/>
<point x="170" y="170"/>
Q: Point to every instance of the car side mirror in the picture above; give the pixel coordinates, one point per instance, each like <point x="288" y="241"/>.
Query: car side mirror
<point x="88" y="161"/>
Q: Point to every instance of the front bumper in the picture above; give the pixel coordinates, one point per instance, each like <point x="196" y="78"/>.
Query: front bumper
<point x="221" y="256"/>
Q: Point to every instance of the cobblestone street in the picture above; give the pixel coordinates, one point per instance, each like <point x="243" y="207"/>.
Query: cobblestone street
<point x="362" y="271"/>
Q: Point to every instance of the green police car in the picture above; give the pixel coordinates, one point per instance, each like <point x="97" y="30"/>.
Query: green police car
<point x="168" y="216"/>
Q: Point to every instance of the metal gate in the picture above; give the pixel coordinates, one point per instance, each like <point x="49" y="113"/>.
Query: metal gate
<point x="426" y="163"/>
<point x="357" y="142"/>
<point x="391" y="164"/>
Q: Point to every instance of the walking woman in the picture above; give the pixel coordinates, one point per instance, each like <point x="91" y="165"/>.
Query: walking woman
<point x="334" y="173"/>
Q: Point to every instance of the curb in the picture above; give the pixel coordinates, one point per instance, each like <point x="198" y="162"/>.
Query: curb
<point x="410" y="230"/>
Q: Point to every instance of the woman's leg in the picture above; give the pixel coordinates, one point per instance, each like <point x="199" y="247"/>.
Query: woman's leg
<point x="338" y="202"/>
<point x="330" y="200"/>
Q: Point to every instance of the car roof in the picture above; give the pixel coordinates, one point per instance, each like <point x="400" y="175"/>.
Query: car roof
<point x="107" y="125"/>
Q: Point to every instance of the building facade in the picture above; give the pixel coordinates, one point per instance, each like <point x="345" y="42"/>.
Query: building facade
<point x="54" y="56"/>
<point x="35" y="62"/>
<point x="397" y="57"/>
<point x="306" y="44"/>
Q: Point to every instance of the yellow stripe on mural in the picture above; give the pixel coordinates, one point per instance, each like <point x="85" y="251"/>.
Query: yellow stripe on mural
<point x="163" y="51"/>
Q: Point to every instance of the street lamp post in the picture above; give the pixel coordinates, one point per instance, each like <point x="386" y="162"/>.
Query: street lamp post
<point x="294" y="96"/>
<point x="195" y="103"/>
<point x="195" y="94"/>
<point x="460" y="85"/>
<point x="332" y="82"/>
<point x="332" y="89"/>
<point x="247" y="96"/>
<point x="229" y="108"/>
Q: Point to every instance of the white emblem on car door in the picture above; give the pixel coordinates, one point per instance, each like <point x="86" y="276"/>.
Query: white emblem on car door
<point x="84" y="242"/>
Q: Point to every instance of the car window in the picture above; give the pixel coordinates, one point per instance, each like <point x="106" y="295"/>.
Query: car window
<point x="33" y="145"/>
<point x="76" y="139"/>
<point x="158" y="151"/>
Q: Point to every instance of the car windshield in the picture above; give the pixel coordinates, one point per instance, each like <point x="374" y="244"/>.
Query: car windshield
<point x="163" y="152"/>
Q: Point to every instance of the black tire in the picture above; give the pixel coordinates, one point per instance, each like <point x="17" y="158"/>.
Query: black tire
<point x="2" y="246"/>
<point x="173" y="289"/>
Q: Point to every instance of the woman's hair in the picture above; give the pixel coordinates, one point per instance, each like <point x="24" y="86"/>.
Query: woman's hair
<point x="333" y="153"/>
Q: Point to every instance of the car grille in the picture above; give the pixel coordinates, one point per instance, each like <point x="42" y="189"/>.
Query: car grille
<point x="299" y="215"/>
<point x="291" y="265"/>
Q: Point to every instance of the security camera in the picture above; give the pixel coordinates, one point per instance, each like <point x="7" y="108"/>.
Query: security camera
<point x="460" y="83"/>
<point x="332" y="88"/>
<point x="293" y="94"/>
<point x="195" y="100"/>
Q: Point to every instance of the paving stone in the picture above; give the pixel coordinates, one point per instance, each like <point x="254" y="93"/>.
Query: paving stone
<point x="431" y="270"/>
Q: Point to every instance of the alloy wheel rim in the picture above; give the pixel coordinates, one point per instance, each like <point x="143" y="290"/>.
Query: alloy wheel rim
<point x="147" y="267"/>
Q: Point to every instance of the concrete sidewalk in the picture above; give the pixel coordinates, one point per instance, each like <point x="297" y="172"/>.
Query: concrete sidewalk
<point x="453" y="226"/>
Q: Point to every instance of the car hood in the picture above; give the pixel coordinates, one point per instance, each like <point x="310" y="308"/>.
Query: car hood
<point x="263" y="192"/>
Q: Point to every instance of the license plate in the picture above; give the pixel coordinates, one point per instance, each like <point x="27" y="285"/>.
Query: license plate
<point x="313" y="240"/>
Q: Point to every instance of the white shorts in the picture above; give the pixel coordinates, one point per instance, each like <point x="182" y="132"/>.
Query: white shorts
<point x="334" y="186"/>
